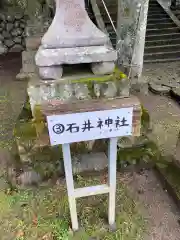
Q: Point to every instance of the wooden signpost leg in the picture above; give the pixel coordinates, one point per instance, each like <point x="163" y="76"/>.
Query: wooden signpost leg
<point x="112" y="158"/>
<point x="70" y="185"/>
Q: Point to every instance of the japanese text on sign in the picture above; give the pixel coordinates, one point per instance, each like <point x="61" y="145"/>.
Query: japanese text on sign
<point x="77" y="127"/>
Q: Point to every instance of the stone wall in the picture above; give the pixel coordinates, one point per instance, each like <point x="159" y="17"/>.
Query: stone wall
<point x="12" y="29"/>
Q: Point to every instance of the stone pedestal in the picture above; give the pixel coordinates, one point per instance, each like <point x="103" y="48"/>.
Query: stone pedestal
<point x="34" y="32"/>
<point x="73" y="38"/>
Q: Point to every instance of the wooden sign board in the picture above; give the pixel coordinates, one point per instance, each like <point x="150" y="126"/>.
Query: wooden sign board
<point x="90" y="120"/>
<point x="78" y="127"/>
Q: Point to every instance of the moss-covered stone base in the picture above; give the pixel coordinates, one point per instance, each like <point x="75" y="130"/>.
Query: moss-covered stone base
<point x="35" y="156"/>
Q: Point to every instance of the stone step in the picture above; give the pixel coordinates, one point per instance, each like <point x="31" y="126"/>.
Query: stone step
<point x="155" y="10"/>
<point x="156" y="37"/>
<point x="154" y="6"/>
<point x="161" y="25"/>
<point x="166" y="18"/>
<point x="159" y="56"/>
<point x="161" y="42"/>
<point x="160" y="31"/>
<point x="163" y="60"/>
<point x="157" y="15"/>
<point x="163" y="48"/>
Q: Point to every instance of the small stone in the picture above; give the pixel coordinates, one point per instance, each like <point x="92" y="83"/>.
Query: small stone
<point x="109" y="90"/>
<point x="81" y="91"/>
<point x="9" y="27"/>
<point x="16" y="24"/>
<point x="10" y="18"/>
<point x="17" y="32"/>
<point x="54" y="72"/>
<point x="22" y="25"/>
<point x="22" y="76"/>
<point x="158" y="89"/>
<point x="103" y="68"/>
<point x="3" y="25"/>
<point x="3" y="49"/>
<point x="64" y="92"/>
<point x="2" y="17"/>
<point x="1" y="37"/>
<point x="126" y="142"/>
<point x="176" y="93"/>
<point x="89" y="162"/>
<point x="6" y="34"/>
<point x="97" y="90"/>
<point x="9" y="43"/>
<point x="17" y="39"/>
<point x="29" y="178"/>
<point x="18" y="16"/>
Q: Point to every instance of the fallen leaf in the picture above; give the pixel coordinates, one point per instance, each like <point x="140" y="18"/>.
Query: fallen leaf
<point x="47" y="236"/>
<point x="20" y="234"/>
<point x="35" y="221"/>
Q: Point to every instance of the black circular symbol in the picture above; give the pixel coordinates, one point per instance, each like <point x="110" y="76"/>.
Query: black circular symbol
<point x="58" y="128"/>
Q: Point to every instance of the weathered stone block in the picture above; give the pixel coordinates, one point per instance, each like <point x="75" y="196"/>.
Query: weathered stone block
<point x="72" y="27"/>
<point x="9" y="26"/>
<point x="90" y="162"/>
<point x="54" y="72"/>
<point x="6" y="34"/>
<point x="17" y="40"/>
<point x="28" y="61"/>
<point x="33" y="42"/>
<point x="59" y="56"/>
<point x="9" y="43"/>
<point x="103" y="68"/>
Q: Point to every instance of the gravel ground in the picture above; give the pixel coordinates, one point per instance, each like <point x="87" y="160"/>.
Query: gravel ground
<point x="158" y="207"/>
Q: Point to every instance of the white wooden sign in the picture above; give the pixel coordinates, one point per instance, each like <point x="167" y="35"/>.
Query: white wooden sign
<point x="84" y="126"/>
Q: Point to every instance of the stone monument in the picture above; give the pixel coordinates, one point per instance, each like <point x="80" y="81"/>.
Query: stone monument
<point x="73" y="39"/>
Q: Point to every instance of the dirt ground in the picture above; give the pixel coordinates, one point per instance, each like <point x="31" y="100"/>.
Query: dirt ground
<point x="158" y="207"/>
<point x="163" y="217"/>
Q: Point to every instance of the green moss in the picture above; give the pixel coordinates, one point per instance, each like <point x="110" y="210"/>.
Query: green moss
<point x="116" y="75"/>
<point x="47" y="161"/>
<point x="135" y="154"/>
<point x="25" y="130"/>
<point x="38" y="115"/>
<point x="145" y="120"/>
<point x="26" y="113"/>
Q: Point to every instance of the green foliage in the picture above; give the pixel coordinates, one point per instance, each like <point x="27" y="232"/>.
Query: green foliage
<point x="43" y="213"/>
